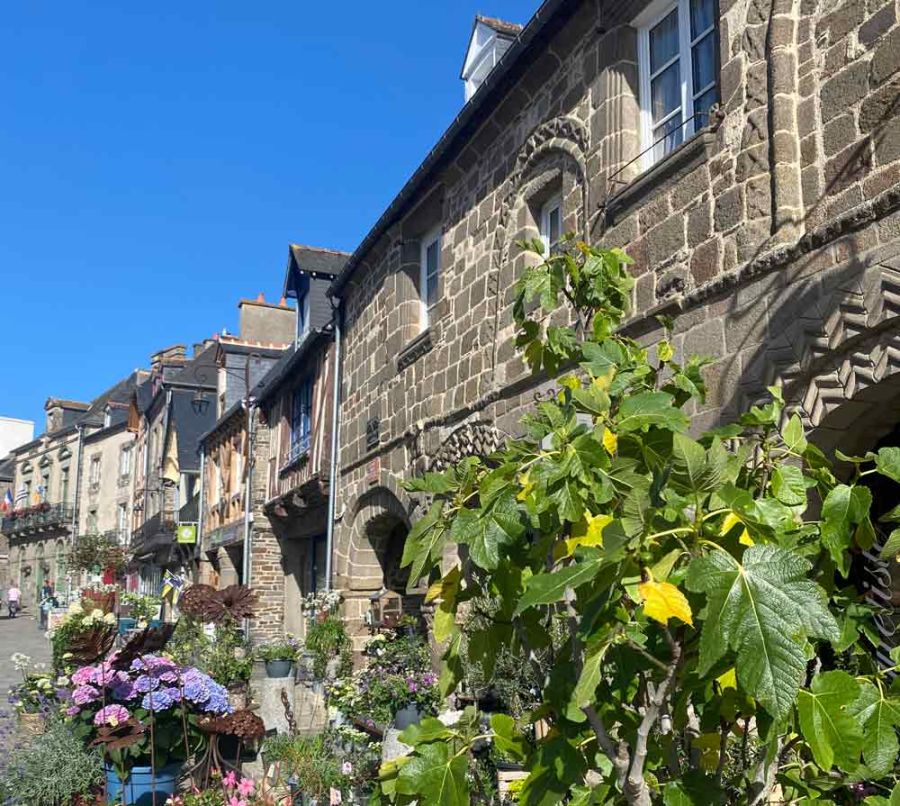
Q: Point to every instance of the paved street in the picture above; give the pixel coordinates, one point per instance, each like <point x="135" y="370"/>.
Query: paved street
<point x="17" y="635"/>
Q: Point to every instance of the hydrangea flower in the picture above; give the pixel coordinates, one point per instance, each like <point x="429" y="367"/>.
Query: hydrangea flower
<point x="85" y="694"/>
<point x="112" y="715"/>
<point x="146" y="683"/>
<point x="158" y="700"/>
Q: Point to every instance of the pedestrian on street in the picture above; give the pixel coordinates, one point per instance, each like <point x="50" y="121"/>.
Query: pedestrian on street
<point x="13" y="597"/>
<point x="48" y="601"/>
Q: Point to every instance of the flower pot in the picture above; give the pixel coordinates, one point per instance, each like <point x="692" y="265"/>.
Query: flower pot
<point x="279" y="668"/>
<point x="408" y="715"/>
<point x="32" y="724"/>
<point x="139" y="787"/>
<point x="239" y="697"/>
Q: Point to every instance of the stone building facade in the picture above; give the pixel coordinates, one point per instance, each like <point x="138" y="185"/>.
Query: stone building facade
<point x="280" y="443"/>
<point x="768" y="225"/>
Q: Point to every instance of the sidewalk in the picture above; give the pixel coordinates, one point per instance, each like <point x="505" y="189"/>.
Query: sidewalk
<point x="17" y="635"/>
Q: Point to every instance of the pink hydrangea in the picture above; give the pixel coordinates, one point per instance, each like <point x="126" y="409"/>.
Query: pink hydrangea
<point x="73" y="710"/>
<point x="112" y="715"/>
<point x="85" y="694"/>
<point x="83" y="676"/>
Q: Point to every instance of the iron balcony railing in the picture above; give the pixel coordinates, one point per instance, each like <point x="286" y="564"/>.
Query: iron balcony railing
<point x="39" y="518"/>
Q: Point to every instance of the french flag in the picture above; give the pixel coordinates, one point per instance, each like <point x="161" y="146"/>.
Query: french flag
<point x="7" y="503"/>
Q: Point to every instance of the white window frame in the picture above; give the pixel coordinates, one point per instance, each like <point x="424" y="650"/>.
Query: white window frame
<point x="431" y="237"/>
<point x="303" y="315"/>
<point x="125" y="462"/>
<point x="554" y="203"/>
<point x="649" y="18"/>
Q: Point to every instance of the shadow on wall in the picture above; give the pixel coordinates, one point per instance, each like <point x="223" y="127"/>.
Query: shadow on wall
<point x="801" y="323"/>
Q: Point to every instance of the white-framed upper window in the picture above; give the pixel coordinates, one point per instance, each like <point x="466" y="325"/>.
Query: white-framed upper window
<point x="125" y="461"/>
<point x="551" y="225"/>
<point x="430" y="272"/>
<point x="303" y="315"/>
<point x="94" y="477"/>
<point x="678" y="73"/>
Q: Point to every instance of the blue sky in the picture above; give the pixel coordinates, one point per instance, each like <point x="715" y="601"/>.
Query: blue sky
<point x="156" y="160"/>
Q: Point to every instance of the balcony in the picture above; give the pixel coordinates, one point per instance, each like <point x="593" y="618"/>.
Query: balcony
<point x="155" y="530"/>
<point x="37" y="519"/>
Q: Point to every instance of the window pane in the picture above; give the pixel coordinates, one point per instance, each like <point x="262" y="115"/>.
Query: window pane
<point x="553" y="226"/>
<point x="432" y="269"/>
<point x="671" y="130"/>
<point x="665" y="92"/>
<point x="703" y="62"/>
<point x="664" y="41"/>
<point x="702" y="12"/>
<point x="701" y="108"/>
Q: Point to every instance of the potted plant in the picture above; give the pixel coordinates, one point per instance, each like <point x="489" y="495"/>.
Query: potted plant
<point x="279" y="656"/>
<point x="141" y="609"/>
<point x="99" y="597"/>
<point x="35" y="697"/>
<point x="144" y="716"/>
<point x="330" y="645"/>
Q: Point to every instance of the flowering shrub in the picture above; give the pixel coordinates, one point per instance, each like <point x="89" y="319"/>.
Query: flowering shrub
<point x="228" y="790"/>
<point x="282" y="649"/>
<point x="39" y="692"/>
<point x="327" y="639"/>
<point x="160" y="700"/>
<point x="398" y="673"/>
<point x="142" y="608"/>
<point x="324" y="603"/>
<point x="78" y="621"/>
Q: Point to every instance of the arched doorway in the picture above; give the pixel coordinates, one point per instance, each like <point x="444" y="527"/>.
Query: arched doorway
<point x="867" y="422"/>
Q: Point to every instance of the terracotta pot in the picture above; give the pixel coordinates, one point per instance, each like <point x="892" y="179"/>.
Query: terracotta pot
<point x="106" y="602"/>
<point x="32" y="724"/>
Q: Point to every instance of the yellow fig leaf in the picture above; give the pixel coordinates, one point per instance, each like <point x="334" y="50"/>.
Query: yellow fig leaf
<point x="727" y="679"/>
<point x="444" y="624"/>
<point x="526" y="484"/>
<point x="664" y="351"/>
<point x="708" y="745"/>
<point x="732" y="520"/>
<point x="604" y="381"/>
<point x="446" y="587"/>
<point x="662" y="601"/>
<point x="587" y="532"/>
<point x="610" y="442"/>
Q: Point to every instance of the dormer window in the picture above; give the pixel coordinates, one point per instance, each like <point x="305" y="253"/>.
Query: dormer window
<point x="303" y="313"/>
<point x="490" y="39"/>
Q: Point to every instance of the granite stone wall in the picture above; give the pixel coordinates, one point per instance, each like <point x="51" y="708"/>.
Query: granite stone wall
<point x="772" y="235"/>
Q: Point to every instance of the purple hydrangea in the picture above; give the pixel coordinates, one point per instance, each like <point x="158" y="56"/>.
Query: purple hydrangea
<point x="85" y="694"/>
<point x="146" y="683"/>
<point x="124" y="690"/>
<point x="112" y="715"/>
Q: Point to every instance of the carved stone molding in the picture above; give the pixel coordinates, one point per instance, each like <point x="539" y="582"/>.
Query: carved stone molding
<point x="472" y="439"/>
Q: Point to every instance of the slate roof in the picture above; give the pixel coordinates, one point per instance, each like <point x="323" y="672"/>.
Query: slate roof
<point x="547" y="20"/>
<point x="200" y="370"/>
<point x="318" y="259"/>
<point x="7" y="468"/>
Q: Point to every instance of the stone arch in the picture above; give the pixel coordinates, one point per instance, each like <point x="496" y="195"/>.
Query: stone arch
<point x="379" y="520"/>
<point x="564" y="137"/>
<point x="844" y="381"/>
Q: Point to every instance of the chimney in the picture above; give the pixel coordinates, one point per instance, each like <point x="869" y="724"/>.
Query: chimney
<point x="62" y="413"/>
<point x="168" y="355"/>
<point x="265" y="322"/>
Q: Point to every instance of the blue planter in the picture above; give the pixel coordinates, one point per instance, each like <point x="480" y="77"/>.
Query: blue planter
<point x="126" y="624"/>
<point x="279" y="668"/>
<point x="139" y="786"/>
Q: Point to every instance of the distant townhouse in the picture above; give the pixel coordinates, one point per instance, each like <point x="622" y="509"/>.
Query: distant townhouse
<point x="180" y="402"/>
<point x="746" y="155"/>
<point x="57" y="497"/>
<point x="275" y="444"/>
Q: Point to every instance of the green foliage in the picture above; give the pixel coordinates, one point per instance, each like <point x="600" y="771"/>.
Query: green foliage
<point x="281" y="649"/>
<point x="225" y="655"/>
<point x="53" y="770"/>
<point x="142" y="608"/>
<point x="327" y="638"/>
<point x="678" y="598"/>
